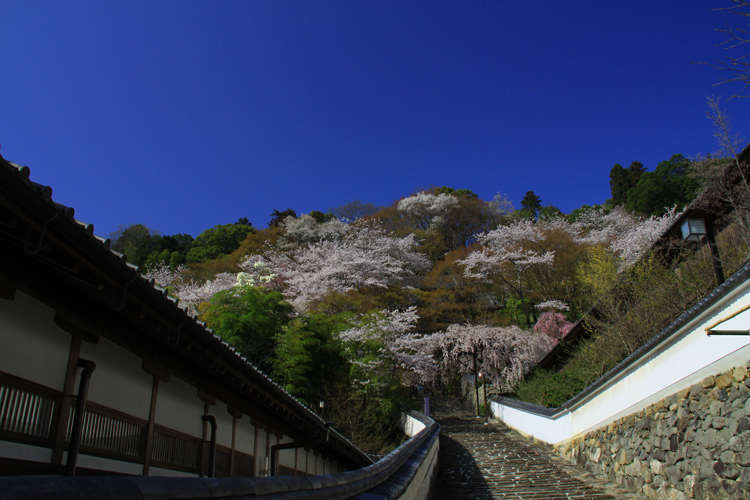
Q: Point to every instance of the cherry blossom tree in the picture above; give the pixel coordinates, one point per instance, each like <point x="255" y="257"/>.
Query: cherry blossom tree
<point x="366" y="256"/>
<point x="192" y="293"/>
<point x="306" y="229"/>
<point x="507" y="254"/>
<point x="427" y="210"/>
<point x="505" y="354"/>
<point x="383" y="346"/>
<point x="553" y="324"/>
<point x="163" y="274"/>
<point x="626" y="235"/>
<point x="552" y="305"/>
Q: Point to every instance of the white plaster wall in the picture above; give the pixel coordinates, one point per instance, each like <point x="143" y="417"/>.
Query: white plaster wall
<point x="158" y="471"/>
<point x="419" y="488"/>
<point x="245" y="435"/>
<point x="28" y="452"/>
<point x="223" y="424"/>
<point x="286" y="457"/>
<point x="410" y="425"/>
<point x="550" y="430"/>
<point x="119" y="381"/>
<point x="179" y="408"/>
<point x="106" y="464"/>
<point x="32" y="346"/>
<point x="684" y="359"/>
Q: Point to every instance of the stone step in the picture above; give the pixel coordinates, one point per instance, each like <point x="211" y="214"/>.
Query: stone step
<point x="481" y="460"/>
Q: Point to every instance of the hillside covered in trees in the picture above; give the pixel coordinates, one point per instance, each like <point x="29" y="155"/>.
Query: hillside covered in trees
<point x="359" y="305"/>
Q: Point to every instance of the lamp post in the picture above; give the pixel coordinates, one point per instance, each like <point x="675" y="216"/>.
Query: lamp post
<point x="694" y="230"/>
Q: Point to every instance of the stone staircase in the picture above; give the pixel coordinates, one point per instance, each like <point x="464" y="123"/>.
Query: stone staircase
<point x="481" y="460"/>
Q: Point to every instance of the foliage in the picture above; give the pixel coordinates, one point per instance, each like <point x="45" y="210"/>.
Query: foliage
<point x="250" y="319"/>
<point x="550" y="388"/>
<point x="136" y="241"/>
<point x="308" y="356"/>
<point x="669" y="185"/>
<point x="217" y="241"/>
<point x="631" y="306"/>
<point x="357" y="309"/>
<point x="457" y="192"/>
<point x="365" y="419"/>
<point x="530" y="205"/>
<point x="321" y="217"/>
<point x="278" y="217"/>
<point x="449" y="296"/>
<point x="353" y="211"/>
<point x="444" y="219"/>
<point x="621" y="180"/>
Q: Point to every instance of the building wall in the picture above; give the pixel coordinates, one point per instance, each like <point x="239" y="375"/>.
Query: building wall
<point x="34" y="348"/>
<point x="42" y="354"/>
<point x="119" y="381"/>
<point x="245" y="436"/>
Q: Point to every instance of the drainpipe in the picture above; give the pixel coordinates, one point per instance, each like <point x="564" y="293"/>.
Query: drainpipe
<point x="212" y="447"/>
<point x="290" y="446"/>
<point x="77" y="431"/>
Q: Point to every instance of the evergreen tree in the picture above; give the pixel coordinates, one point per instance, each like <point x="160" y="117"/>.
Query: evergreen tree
<point x="530" y="205"/>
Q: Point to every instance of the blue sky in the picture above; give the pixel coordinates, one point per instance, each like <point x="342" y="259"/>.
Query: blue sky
<point x="184" y="115"/>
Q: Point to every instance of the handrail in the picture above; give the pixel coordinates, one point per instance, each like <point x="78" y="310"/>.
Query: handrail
<point x="406" y="457"/>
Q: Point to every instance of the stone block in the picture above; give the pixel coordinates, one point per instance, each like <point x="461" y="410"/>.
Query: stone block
<point x="727" y="457"/>
<point x="688" y="485"/>
<point x="731" y="425"/>
<point x="657" y="467"/>
<point x="633" y="484"/>
<point x="727" y="471"/>
<point x="715" y="408"/>
<point x="710" y="438"/>
<point x="706" y="470"/>
<point x="708" y="382"/>
<point x="718" y="422"/>
<point x="724" y="380"/>
<point x="694" y="465"/>
<point x="696" y="390"/>
<point x="673" y="475"/>
<point x="740" y="373"/>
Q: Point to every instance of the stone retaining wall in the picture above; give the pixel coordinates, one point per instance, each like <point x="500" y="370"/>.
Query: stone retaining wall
<point x="693" y="444"/>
